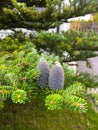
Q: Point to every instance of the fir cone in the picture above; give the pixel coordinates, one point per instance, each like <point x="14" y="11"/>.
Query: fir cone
<point x="56" y="77"/>
<point x="43" y="67"/>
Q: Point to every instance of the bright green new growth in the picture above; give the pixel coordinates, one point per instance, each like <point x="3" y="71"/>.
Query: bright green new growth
<point x="19" y="96"/>
<point x="53" y="101"/>
<point x="75" y="103"/>
<point x="70" y="98"/>
<point x="56" y="77"/>
<point x="43" y="67"/>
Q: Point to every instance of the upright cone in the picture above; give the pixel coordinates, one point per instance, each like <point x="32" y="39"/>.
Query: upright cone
<point x="43" y="67"/>
<point x="56" y="77"/>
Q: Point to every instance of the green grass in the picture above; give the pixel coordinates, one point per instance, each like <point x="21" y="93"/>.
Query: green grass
<point x="32" y="117"/>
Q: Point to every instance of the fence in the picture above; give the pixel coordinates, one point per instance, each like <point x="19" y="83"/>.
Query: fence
<point x="84" y="26"/>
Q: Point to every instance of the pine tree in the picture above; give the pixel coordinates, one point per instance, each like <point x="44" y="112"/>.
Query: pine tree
<point x="16" y="14"/>
<point x="45" y="14"/>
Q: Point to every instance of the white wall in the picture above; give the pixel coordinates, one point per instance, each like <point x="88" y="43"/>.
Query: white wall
<point x="62" y="27"/>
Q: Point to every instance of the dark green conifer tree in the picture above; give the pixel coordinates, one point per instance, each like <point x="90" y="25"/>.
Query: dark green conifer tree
<point x="45" y="14"/>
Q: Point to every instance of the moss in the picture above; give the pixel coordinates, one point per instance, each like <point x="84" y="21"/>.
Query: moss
<point x="30" y="116"/>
